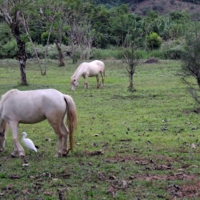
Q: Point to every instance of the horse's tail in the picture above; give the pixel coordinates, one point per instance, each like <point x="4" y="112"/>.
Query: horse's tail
<point x="71" y="119"/>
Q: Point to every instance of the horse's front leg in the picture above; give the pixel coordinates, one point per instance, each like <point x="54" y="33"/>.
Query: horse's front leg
<point x="60" y="145"/>
<point x="98" y="84"/>
<point x="86" y="85"/>
<point x="18" y="149"/>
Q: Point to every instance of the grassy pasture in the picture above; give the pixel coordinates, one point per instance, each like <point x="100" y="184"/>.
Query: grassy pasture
<point x="141" y="145"/>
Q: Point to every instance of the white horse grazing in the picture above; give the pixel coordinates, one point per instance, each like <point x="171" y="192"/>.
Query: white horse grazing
<point x="88" y="69"/>
<point x="33" y="106"/>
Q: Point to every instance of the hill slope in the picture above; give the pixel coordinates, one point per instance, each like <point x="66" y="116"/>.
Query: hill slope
<point x="164" y="6"/>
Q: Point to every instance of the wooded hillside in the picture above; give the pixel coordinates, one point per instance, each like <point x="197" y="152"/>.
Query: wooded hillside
<point x="141" y="7"/>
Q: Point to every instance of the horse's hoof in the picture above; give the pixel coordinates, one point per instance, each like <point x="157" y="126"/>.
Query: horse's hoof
<point x="66" y="152"/>
<point x="14" y="154"/>
<point x="57" y="155"/>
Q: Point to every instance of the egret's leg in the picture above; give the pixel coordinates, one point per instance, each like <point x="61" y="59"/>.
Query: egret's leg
<point x="18" y="149"/>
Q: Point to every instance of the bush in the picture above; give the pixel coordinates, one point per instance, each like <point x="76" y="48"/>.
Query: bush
<point x="173" y="49"/>
<point x="106" y="53"/>
<point x="173" y="54"/>
<point x="9" y="50"/>
<point x="153" y="40"/>
<point x="52" y="51"/>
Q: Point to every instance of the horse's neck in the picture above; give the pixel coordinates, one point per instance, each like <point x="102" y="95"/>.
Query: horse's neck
<point x="78" y="73"/>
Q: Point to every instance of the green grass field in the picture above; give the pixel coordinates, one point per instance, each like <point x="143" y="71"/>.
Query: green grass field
<point x="141" y="145"/>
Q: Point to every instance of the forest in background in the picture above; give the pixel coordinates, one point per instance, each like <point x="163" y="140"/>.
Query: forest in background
<point x="111" y="3"/>
<point x="84" y="28"/>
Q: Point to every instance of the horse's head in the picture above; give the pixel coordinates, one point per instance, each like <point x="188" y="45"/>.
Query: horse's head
<point x="74" y="83"/>
<point x="3" y="128"/>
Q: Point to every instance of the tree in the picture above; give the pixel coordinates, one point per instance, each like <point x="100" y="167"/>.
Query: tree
<point x="52" y="13"/>
<point x="11" y="12"/>
<point x="134" y="40"/>
<point x="80" y="33"/>
<point x="25" y="21"/>
<point x="191" y="63"/>
<point x="132" y="59"/>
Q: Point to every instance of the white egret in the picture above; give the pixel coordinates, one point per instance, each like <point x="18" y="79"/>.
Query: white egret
<point x="28" y="142"/>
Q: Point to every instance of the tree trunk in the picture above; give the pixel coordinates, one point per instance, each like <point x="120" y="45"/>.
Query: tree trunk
<point x="60" y="54"/>
<point x="131" y="88"/>
<point x="21" y="54"/>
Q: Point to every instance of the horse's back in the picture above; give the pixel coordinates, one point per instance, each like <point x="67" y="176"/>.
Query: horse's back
<point x="32" y="106"/>
<point x="96" y="67"/>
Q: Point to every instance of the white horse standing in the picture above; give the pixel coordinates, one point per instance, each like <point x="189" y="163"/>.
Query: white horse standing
<point x="88" y="69"/>
<point x="34" y="106"/>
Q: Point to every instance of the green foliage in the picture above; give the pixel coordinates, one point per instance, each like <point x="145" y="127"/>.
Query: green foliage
<point x="109" y="27"/>
<point x="153" y="41"/>
<point x="44" y="38"/>
<point x="106" y="53"/>
<point x="173" y="54"/>
<point x="52" y="51"/>
<point x="8" y="46"/>
<point x="9" y="50"/>
<point x="191" y="62"/>
<point x="179" y="17"/>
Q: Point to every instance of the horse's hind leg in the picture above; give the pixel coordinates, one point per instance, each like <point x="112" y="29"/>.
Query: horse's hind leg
<point x="102" y="76"/>
<point x="61" y="136"/>
<point x="18" y="149"/>
<point x="98" y="84"/>
<point x="65" y="139"/>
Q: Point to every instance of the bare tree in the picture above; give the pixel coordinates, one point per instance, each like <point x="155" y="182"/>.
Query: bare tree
<point x="81" y="38"/>
<point x="51" y="13"/>
<point x="60" y="54"/>
<point x="25" y="22"/>
<point x="11" y="12"/>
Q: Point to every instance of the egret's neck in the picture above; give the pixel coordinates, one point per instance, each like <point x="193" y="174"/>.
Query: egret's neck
<point x="24" y="137"/>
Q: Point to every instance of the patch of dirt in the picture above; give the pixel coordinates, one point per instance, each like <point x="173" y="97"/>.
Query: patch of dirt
<point x="151" y="60"/>
<point x="190" y="187"/>
<point x="187" y="190"/>
<point x="138" y="159"/>
<point x="171" y="177"/>
<point x="95" y="153"/>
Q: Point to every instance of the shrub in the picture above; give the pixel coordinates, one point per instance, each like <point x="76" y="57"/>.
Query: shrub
<point x="173" y="49"/>
<point x="173" y="54"/>
<point x="106" y="53"/>
<point x="9" y="50"/>
<point x="153" y="41"/>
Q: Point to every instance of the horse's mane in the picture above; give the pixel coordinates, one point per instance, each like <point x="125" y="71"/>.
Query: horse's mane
<point x="77" y="71"/>
<point x="6" y="95"/>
